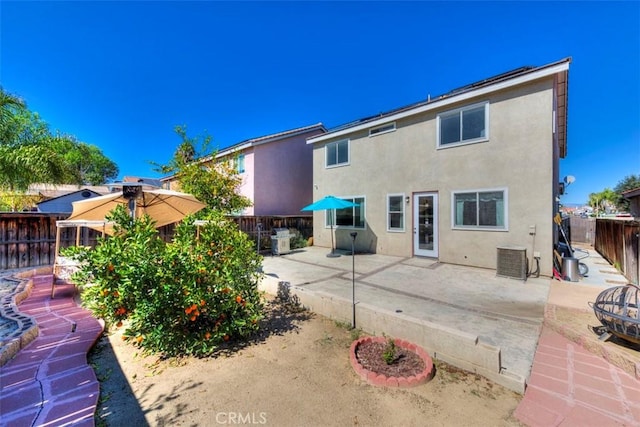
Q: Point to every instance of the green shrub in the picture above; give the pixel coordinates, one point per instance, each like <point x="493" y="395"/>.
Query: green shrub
<point x="389" y="354"/>
<point x="297" y="240"/>
<point x="186" y="297"/>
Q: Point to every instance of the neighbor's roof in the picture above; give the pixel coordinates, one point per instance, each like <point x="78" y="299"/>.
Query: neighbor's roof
<point x="258" y="141"/>
<point x="153" y="182"/>
<point x="269" y="138"/>
<point x="500" y="81"/>
<point x="88" y="190"/>
<point x="634" y="192"/>
<point x="50" y="191"/>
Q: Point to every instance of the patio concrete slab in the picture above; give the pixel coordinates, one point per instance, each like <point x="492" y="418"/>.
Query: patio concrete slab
<point x="503" y="314"/>
<point x="500" y="312"/>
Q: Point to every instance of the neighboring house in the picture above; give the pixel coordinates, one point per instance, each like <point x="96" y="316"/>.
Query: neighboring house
<point x="453" y="177"/>
<point x="150" y="182"/>
<point x="633" y="196"/>
<point x="276" y="171"/>
<point x="59" y="198"/>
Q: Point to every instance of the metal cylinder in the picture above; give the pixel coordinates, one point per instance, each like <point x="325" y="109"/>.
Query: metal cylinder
<point x="570" y="270"/>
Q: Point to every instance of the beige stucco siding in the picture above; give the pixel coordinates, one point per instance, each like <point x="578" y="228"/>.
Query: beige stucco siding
<point x="518" y="157"/>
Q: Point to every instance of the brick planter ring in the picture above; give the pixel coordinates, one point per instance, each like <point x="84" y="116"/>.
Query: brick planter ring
<point x="376" y="379"/>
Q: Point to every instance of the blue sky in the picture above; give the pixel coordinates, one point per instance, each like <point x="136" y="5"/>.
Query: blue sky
<point x="121" y="75"/>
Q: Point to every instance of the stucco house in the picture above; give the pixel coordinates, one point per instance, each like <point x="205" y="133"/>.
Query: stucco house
<point x="454" y="177"/>
<point x="276" y="171"/>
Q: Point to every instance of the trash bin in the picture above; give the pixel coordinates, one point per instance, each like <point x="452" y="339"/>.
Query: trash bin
<point x="281" y="241"/>
<point x="570" y="270"/>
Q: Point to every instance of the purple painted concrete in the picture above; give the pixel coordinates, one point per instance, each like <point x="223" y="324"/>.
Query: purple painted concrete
<point x="569" y="386"/>
<point x="49" y="381"/>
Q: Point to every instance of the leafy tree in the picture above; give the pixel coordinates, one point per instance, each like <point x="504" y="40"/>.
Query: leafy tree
<point x="9" y="103"/>
<point x="186" y="297"/>
<point x="88" y="165"/>
<point x="629" y="182"/>
<point x="27" y="156"/>
<point x="603" y="201"/>
<point x="30" y="153"/>
<point x="213" y="182"/>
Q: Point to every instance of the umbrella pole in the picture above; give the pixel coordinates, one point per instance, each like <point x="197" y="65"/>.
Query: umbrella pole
<point x="132" y="209"/>
<point x="332" y="254"/>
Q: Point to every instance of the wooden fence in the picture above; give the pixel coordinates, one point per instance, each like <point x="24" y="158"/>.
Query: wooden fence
<point x="249" y="224"/>
<point x="28" y="239"/>
<point x="618" y="241"/>
<point x="583" y="230"/>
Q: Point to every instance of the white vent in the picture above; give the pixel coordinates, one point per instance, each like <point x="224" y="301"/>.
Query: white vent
<point x="512" y="262"/>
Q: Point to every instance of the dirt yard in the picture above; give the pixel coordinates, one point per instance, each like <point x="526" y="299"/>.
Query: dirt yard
<point x="296" y="374"/>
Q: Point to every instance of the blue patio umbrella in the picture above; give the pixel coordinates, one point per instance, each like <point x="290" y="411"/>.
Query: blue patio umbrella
<point x="327" y="203"/>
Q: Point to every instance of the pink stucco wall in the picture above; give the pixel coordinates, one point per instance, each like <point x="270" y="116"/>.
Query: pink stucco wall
<point x="282" y="174"/>
<point x="278" y="173"/>
<point x="248" y="179"/>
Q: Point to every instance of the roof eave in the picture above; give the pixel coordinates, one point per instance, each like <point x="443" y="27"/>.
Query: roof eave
<point x="268" y="139"/>
<point x="634" y="192"/>
<point x="535" y="74"/>
<point x="562" y="99"/>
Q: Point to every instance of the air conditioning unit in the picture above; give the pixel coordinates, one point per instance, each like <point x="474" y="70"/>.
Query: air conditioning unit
<point x="512" y="262"/>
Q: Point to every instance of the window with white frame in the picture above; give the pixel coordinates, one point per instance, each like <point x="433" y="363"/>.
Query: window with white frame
<point x="337" y="153"/>
<point x="389" y="127"/>
<point x="463" y="125"/>
<point x="240" y="163"/>
<point x="483" y="209"/>
<point x="348" y="217"/>
<point x="395" y="212"/>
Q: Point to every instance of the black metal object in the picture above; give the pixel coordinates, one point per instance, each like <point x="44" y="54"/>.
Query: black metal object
<point x="130" y="192"/>
<point x="618" y="310"/>
<point x="353" y="277"/>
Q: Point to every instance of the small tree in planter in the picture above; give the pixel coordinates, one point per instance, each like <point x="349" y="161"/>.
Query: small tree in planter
<point x="181" y="298"/>
<point x="389" y="353"/>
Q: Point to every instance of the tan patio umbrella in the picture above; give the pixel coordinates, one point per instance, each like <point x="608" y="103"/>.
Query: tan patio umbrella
<point x="163" y="206"/>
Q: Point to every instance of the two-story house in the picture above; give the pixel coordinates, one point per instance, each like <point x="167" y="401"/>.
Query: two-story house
<point x="276" y="170"/>
<point x="454" y="177"/>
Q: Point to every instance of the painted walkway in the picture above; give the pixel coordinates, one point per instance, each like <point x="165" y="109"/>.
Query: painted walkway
<point x="570" y="386"/>
<point x="49" y="382"/>
<point x="576" y="379"/>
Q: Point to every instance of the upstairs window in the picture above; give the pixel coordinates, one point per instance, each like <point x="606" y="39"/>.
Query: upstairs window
<point x="337" y="153"/>
<point x="389" y="127"/>
<point x="464" y="125"/>
<point x="240" y="163"/>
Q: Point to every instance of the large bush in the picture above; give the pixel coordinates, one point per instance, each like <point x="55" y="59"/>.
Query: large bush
<point x="180" y="298"/>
